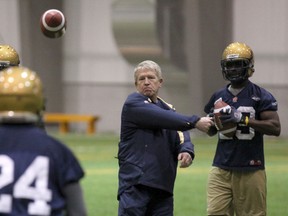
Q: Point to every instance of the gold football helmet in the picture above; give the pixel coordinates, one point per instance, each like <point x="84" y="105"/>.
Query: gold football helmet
<point x="21" y="95"/>
<point x="237" y="62"/>
<point x="8" y="56"/>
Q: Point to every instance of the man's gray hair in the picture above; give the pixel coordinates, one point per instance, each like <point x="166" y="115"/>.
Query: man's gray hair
<point x="148" y="65"/>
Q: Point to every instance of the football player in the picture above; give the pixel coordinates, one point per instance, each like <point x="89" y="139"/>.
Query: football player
<point x="8" y="56"/>
<point x="38" y="174"/>
<point x="237" y="180"/>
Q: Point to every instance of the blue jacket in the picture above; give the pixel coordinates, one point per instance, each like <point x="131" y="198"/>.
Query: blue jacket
<point x="151" y="138"/>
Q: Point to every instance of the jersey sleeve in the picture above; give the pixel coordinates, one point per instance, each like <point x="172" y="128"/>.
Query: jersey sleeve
<point x="66" y="165"/>
<point x="210" y="105"/>
<point x="73" y="171"/>
<point x="267" y="102"/>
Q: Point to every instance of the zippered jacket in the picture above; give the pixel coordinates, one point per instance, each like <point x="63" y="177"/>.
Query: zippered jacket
<point x="152" y="136"/>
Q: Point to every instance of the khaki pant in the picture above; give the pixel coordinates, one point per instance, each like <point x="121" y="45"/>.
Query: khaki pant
<point x="239" y="192"/>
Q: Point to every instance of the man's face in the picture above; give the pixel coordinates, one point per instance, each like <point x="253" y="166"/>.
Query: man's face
<point x="148" y="84"/>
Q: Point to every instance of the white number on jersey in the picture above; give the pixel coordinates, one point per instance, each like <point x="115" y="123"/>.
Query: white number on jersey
<point x="242" y="133"/>
<point x="39" y="193"/>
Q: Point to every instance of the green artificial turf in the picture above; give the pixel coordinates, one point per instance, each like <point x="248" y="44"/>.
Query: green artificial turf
<point x="97" y="156"/>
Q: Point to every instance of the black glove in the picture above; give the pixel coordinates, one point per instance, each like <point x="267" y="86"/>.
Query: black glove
<point x="211" y="113"/>
<point x="212" y="130"/>
<point x="231" y="115"/>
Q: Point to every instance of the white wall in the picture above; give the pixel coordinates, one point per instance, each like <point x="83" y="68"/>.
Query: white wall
<point x="9" y="21"/>
<point x="95" y="74"/>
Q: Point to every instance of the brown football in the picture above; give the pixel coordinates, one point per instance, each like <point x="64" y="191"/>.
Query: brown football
<point x="227" y="129"/>
<point x="53" y="23"/>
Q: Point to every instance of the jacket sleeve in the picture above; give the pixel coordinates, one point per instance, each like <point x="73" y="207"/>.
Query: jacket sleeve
<point x="185" y="143"/>
<point x="139" y="112"/>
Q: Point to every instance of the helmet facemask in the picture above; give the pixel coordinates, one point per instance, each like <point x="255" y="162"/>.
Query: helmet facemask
<point x="237" y="62"/>
<point x="236" y="70"/>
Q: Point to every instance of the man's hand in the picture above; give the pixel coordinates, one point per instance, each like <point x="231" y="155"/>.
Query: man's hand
<point x="231" y="115"/>
<point x="186" y="159"/>
<point x="204" y="124"/>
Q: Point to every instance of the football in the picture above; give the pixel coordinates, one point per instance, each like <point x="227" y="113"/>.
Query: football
<point x="227" y="129"/>
<point x="53" y="23"/>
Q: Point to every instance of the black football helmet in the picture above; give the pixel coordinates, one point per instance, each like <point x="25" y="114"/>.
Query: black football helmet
<point x="237" y="62"/>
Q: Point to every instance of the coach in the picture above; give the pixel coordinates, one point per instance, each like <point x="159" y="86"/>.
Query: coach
<point x="153" y="138"/>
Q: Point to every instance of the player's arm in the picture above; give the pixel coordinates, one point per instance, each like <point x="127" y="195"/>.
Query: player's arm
<point x="268" y="124"/>
<point x="75" y="205"/>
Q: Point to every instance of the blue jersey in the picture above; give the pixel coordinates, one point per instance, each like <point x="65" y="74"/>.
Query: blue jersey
<point x="150" y="142"/>
<point x="245" y="150"/>
<point x="34" y="168"/>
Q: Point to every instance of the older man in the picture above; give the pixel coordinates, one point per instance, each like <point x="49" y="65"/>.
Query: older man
<point x="153" y="138"/>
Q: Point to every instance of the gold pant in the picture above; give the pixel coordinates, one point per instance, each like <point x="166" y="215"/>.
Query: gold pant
<point x="239" y="192"/>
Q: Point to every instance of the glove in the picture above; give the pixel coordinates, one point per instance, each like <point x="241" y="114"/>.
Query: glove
<point x="231" y="115"/>
<point x="212" y="130"/>
<point x="211" y="113"/>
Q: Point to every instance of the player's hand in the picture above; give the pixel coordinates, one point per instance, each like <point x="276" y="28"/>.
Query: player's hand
<point x="211" y="113"/>
<point x="212" y="131"/>
<point x="204" y="124"/>
<point x="186" y="159"/>
<point x="230" y="115"/>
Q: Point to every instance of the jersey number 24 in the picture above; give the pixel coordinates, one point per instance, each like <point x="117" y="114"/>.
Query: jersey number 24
<point x="37" y="174"/>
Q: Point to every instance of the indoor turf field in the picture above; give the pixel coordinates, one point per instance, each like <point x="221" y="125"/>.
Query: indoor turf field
<point x="97" y="155"/>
